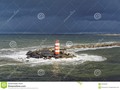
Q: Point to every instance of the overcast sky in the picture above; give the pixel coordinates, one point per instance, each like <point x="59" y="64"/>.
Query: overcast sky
<point x="59" y="16"/>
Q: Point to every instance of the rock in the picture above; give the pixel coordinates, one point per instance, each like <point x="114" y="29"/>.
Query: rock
<point x="29" y="52"/>
<point x="27" y="61"/>
<point x="47" y="54"/>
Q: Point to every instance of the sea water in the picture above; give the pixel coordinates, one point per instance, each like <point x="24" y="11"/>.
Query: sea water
<point x="13" y="49"/>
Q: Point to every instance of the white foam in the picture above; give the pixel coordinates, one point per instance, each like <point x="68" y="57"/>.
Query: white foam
<point x="21" y="56"/>
<point x="7" y="64"/>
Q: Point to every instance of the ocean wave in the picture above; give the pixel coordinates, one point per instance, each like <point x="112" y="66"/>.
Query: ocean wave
<point x="81" y="58"/>
<point x="8" y="64"/>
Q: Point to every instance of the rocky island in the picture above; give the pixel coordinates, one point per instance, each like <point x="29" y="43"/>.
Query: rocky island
<point x="48" y="53"/>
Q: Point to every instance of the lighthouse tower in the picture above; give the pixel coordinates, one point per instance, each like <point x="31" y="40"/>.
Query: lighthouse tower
<point x="57" y="47"/>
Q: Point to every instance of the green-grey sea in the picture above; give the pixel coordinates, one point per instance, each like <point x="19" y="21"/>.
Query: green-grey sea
<point x="14" y="70"/>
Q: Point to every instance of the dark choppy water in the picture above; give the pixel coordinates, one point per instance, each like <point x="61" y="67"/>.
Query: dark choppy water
<point x="11" y="69"/>
<point x="35" y="40"/>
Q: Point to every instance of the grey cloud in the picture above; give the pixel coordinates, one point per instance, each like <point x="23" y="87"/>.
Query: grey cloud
<point x="56" y="11"/>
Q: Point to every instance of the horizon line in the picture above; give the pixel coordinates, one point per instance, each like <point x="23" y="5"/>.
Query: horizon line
<point x="30" y="33"/>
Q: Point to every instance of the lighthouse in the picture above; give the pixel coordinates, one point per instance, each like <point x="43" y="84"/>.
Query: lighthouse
<point x="57" y="47"/>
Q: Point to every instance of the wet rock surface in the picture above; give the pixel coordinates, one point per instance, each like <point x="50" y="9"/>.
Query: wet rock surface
<point x="48" y="53"/>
